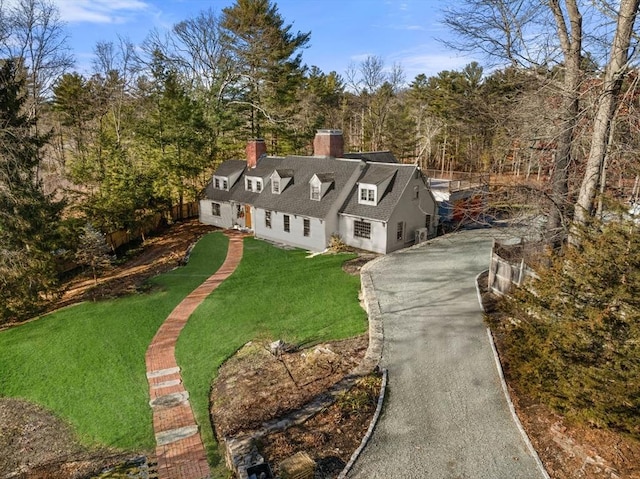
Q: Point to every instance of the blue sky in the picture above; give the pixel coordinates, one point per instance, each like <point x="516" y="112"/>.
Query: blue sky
<point x="342" y="31"/>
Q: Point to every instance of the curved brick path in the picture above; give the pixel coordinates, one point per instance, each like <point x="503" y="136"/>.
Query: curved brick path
<point x="179" y="448"/>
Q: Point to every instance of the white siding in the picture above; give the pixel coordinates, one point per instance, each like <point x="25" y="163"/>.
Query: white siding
<point x="377" y="242"/>
<point x="225" y="220"/>
<point x="316" y="241"/>
<point x="413" y="212"/>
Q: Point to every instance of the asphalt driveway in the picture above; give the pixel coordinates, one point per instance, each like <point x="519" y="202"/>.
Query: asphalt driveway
<point x="445" y="414"/>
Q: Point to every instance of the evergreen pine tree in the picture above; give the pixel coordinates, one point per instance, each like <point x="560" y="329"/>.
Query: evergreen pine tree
<point x="93" y="250"/>
<point x="268" y="57"/>
<point x="28" y="217"/>
<point x="574" y="334"/>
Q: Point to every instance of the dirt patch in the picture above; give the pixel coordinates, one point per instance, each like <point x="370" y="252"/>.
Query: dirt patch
<point x="255" y="386"/>
<point x="353" y="266"/>
<point x="331" y="436"/>
<point x="568" y="450"/>
<point x="158" y="254"/>
<point x="36" y="444"/>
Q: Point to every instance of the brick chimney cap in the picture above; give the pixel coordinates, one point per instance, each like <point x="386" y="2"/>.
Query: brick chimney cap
<point x="329" y="131"/>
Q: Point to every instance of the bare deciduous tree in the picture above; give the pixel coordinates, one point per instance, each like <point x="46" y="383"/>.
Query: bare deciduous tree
<point x="615" y="72"/>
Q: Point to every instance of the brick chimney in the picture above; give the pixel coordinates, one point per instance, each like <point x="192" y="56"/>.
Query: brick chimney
<point x="328" y="143"/>
<point x="255" y="149"/>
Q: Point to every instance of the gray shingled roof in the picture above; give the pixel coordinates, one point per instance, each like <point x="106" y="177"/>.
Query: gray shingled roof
<point x="237" y="192"/>
<point x="284" y="172"/>
<point x="230" y="167"/>
<point x="325" y="177"/>
<point x="295" y="199"/>
<point x="372" y="156"/>
<point x="265" y="167"/>
<point x="378" y="174"/>
<point x="390" y="198"/>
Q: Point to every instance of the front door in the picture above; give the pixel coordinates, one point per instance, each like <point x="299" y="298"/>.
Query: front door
<point x="247" y="216"/>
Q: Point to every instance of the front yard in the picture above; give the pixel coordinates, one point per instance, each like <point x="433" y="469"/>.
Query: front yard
<point x="86" y="363"/>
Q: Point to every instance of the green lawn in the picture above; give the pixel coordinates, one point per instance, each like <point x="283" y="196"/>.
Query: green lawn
<point x="86" y="363"/>
<point x="274" y="294"/>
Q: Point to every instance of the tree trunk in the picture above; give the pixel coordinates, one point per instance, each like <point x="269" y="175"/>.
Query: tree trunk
<point x="571" y="43"/>
<point x="612" y="84"/>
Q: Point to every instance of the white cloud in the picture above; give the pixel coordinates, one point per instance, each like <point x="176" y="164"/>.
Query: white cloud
<point x="99" y="11"/>
<point x="360" y="57"/>
<point x="430" y="64"/>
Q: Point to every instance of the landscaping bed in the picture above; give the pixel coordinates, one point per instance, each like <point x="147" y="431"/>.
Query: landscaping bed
<point x="256" y="385"/>
<point x="567" y="450"/>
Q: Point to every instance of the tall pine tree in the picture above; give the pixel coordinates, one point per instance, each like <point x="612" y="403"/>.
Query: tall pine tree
<point x="28" y="217"/>
<point x="269" y="60"/>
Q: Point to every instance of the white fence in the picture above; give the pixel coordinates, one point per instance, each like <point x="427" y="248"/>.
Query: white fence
<point x="507" y="267"/>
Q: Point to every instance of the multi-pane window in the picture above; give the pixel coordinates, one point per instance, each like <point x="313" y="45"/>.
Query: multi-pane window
<point x="400" y="231"/>
<point x="287" y="226"/>
<point x="315" y="193"/>
<point x="427" y="221"/>
<point x="361" y="229"/>
<point x="216" y="183"/>
<point x="275" y="186"/>
<point x="249" y="185"/>
<point x="306" y="226"/>
<point x="215" y="209"/>
<point x="258" y="186"/>
<point x="225" y="185"/>
<point x="267" y="219"/>
<point x="367" y="194"/>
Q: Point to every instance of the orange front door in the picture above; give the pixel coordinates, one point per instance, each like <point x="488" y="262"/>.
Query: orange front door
<point x="247" y="216"/>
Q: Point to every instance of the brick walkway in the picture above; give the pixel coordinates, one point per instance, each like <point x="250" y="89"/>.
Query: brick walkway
<point x="179" y="448"/>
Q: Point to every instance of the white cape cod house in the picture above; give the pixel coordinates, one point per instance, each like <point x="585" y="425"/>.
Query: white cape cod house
<point x="368" y="199"/>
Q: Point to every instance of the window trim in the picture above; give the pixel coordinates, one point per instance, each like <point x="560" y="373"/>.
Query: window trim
<point x="367" y="195"/>
<point x="361" y="229"/>
<point x="286" y="223"/>
<point x="215" y="209"/>
<point x="267" y="219"/>
<point x="258" y="186"/>
<point x="400" y="231"/>
<point x="275" y="186"/>
<point x="216" y="183"/>
<point x="316" y="192"/>
<point x="306" y="227"/>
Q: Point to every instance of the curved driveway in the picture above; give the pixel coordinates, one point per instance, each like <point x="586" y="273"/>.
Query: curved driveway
<point x="445" y="415"/>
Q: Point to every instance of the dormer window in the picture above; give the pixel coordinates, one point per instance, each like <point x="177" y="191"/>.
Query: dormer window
<point x="319" y="184"/>
<point x="280" y="179"/>
<point x="220" y="183"/>
<point x="253" y="184"/>
<point x="368" y="195"/>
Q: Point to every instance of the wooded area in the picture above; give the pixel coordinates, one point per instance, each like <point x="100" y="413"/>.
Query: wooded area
<point x="555" y="108"/>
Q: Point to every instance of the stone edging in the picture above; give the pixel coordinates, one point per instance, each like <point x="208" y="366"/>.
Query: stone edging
<point x="241" y="452"/>
<point x="372" y="425"/>
<point x="505" y="390"/>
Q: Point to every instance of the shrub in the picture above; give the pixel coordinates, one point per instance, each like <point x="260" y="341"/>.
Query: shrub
<point x="573" y="336"/>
